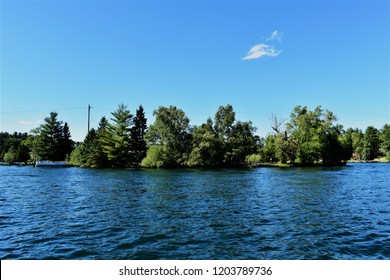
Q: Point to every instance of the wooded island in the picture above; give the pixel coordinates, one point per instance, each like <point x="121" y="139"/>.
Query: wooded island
<point x="309" y="137"/>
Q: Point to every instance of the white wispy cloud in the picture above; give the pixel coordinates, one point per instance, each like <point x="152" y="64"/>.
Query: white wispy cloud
<point x="261" y="50"/>
<point x="265" y="49"/>
<point x="29" y="123"/>
<point x="275" y="36"/>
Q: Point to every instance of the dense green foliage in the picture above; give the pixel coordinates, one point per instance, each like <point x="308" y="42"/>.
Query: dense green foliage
<point x="206" y="147"/>
<point x="168" y="139"/>
<point x="116" y="142"/>
<point x="172" y="142"/>
<point x="119" y="143"/>
<point x="309" y="137"/>
<point x="90" y="152"/>
<point x="370" y="143"/>
<point x="49" y="141"/>
<point x="313" y="137"/>
<point x="12" y="147"/>
<point x="384" y="138"/>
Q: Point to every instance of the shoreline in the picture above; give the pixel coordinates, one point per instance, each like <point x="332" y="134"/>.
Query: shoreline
<point x="260" y="165"/>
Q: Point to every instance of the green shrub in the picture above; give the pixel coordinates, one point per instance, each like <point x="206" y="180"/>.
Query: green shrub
<point x="253" y="160"/>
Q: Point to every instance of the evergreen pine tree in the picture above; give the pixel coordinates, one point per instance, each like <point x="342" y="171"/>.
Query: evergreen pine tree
<point x="51" y="136"/>
<point x="98" y="158"/>
<point x="138" y="143"/>
<point x="66" y="143"/>
<point x="116" y="143"/>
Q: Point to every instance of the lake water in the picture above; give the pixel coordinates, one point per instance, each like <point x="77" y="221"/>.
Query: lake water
<point x="263" y="213"/>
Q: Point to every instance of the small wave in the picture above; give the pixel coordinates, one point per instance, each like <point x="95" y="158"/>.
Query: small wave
<point x="151" y="239"/>
<point x="142" y="241"/>
<point x="125" y="246"/>
<point x="195" y="215"/>
<point x="42" y="240"/>
<point x="10" y="257"/>
<point x="146" y="255"/>
<point x="82" y="254"/>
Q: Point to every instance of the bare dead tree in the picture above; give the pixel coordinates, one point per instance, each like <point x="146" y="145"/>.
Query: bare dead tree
<point x="276" y="124"/>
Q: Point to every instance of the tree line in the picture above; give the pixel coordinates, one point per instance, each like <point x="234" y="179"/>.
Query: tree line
<point x="309" y="137"/>
<point x="314" y="137"/>
<point x="12" y="148"/>
<point x="50" y="141"/>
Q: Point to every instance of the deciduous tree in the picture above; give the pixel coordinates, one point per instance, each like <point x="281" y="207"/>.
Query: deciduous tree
<point x="170" y="131"/>
<point x="371" y="143"/>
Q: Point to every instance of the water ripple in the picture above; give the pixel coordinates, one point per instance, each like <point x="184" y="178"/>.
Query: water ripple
<point x="298" y="213"/>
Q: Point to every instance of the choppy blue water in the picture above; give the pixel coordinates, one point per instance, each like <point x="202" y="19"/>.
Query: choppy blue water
<point x="264" y="213"/>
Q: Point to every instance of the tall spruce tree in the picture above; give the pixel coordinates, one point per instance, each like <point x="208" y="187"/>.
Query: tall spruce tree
<point x="138" y="143"/>
<point x="66" y="142"/>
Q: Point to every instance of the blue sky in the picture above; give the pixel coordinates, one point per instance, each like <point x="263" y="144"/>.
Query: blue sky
<point x="262" y="57"/>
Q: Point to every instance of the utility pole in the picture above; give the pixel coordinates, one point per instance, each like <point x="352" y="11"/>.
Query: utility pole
<point x="89" y="116"/>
